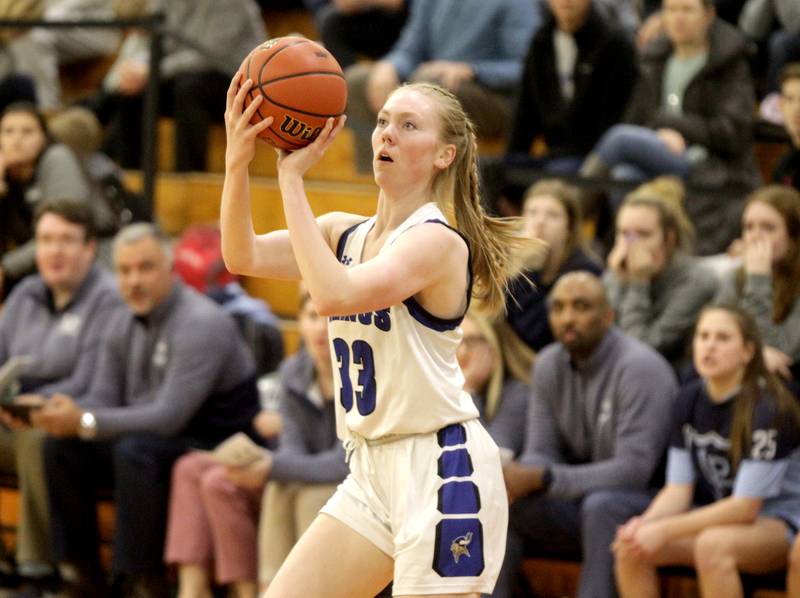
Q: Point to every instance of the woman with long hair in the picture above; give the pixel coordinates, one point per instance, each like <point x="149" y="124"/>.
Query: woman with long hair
<point x="731" y="502"/>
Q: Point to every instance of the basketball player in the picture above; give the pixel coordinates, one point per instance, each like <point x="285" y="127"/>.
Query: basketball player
<point x="425" y="502"/>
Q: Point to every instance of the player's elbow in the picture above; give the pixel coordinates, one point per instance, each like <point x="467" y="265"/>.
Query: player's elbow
<point x="236" y="263"/>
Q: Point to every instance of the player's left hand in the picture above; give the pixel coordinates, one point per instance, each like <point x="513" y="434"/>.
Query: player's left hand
<point x="299" y="161"/>
<point x="252" y="477"/>
<point x="649" y="538"/>
<point x="241" y="135"/>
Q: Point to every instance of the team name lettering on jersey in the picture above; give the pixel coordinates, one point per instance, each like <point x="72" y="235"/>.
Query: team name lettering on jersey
<point x="382" y="319"/>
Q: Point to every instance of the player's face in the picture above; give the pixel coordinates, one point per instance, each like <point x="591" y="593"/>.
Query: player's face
<point x="21" y="138"/>
<point x="720" y="351"/>
<point x="63" y="254"/>
<point x="405" y="142"/>
<point x="790" y="106"/>
<point x="579" y="316"/>
<point x="143" y="275"/>
<point x="686" y="21"/>
<point x="314" y="332"/>
<point x="762" y="222"/>
<point x="546" y="219"/>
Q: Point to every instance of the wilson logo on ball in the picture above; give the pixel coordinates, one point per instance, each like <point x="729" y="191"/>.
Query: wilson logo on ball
<point x="295" y="128"/>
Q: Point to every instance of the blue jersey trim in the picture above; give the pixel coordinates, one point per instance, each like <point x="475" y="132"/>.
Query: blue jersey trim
<point x="422" y="315"/>
<point x="343" y="239"/>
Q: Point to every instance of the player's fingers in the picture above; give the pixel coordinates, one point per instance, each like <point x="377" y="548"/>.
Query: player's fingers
<point x="234" y="84"/>
<point x="238" y="100"/>
<point x="248" y="112"/>
<point x="263" y="125"/>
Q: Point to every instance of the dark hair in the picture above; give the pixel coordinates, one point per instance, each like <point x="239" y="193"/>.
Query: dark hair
<point x="757" y="384"/>
<point x="785" y="273"/>
<point x="28" y="108"/>
<point x="76" y="212"/>
<point x="789" y="72"/>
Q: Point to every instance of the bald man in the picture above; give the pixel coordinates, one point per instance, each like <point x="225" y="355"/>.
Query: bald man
<point x="597" y="429"/>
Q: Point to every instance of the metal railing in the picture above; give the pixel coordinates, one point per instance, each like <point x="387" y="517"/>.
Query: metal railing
<point x="154" y="25"/>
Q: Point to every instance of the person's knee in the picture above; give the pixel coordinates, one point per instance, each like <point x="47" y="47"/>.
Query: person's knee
<point x="713" y="551"/>
<point x="794" y="560"/>
<point x="215" y="483"/>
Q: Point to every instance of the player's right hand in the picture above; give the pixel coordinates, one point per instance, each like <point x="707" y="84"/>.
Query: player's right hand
<point x="240" y="133"/>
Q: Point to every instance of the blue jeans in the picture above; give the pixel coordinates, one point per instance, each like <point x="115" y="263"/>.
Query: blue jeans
<point x="634" y="153"/>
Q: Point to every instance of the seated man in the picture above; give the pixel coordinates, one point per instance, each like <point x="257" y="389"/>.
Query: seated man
<point x="787" y="172"/>
<point x="174" y="373"/>
<point x="598" y="425"/>
<point x="56" y="318"/>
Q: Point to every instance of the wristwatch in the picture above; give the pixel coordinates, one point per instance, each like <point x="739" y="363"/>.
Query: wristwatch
<point x="87" y="428"/>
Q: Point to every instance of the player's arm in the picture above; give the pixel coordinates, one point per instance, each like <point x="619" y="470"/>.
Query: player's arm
<point x="425" y="255"/>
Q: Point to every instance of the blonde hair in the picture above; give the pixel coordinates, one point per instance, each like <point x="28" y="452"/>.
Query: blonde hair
<point x="665" y="194"/>
<point x="494" y="388"/>
<point x="492" y="241"/>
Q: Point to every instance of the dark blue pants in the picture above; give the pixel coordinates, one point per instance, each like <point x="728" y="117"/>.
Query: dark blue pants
<point x="577" y="529"/>
<point x="138" y="470"/>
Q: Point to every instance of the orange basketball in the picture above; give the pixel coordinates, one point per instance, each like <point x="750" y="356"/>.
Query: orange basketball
<point x="302" y="86"/>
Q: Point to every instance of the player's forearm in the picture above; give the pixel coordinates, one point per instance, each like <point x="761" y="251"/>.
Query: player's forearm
<point x="322" y="273"/>
<point x="236" y="221"/>
<point x="728" y="511"/>
<point x="672" y="500"/>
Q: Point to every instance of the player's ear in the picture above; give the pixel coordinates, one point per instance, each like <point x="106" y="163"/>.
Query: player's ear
<point x="446" y="156"/>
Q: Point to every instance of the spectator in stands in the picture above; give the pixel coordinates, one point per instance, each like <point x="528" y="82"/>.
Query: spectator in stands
<point x="174" y="373"/>
<point x="68" y="45"/>
<point x="787" y="172"/>
<point x="501" y="400"/>
<point x="473" y="48"/>
<point x="32" y="169"/>
<point x="757" y="20"/>
<point x="354" y="28"/>
<point x="595" y="431"/>
<point x="214" y="509"/>
<point x="206" y="42"/>
<point x="551" y="215"/>
<point x="767" y="285"/>
<point x="654" y="284"/>
<point x="578" y="76"/>
<point x="691" y="113"/>
<point x="25" y="71"/>
<point x="310" y="461"/>
<point x="57" y="319"/>
<point x="731" y="503"/>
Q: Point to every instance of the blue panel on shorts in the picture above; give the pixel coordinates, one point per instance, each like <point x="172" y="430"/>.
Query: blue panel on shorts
<point x="455" y="464"/>
<point x="458" y="548"/>
<point x="452" y="435"/>
<point x="459" y="498"/>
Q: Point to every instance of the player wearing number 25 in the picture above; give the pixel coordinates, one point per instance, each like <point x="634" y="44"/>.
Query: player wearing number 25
<point x="424" y="503"/>
<point x="732" y="498"/>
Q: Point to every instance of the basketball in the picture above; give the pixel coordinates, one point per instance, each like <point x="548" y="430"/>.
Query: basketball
<point x="302" y="86"/>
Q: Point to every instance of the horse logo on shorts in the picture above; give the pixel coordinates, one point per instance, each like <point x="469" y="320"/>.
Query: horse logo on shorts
<point x="459" y="546"/>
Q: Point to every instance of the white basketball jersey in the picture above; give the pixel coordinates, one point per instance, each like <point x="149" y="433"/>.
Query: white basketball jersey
<point x="395" y="370"/>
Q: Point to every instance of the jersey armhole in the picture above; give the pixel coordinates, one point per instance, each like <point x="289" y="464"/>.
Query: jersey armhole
<point x="343" y="239"/>
<point x="422" y="315"/>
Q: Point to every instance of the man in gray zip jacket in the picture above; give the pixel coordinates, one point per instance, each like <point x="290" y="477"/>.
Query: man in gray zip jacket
<point x="597" y="428"/>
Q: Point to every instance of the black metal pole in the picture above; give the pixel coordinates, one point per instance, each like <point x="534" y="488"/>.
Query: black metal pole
<point x="150" y="116"/>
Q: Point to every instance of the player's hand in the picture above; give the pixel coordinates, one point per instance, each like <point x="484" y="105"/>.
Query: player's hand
<point x="641" y="263"/>
<point x="299" y="161"/>
<point x="448" y="73"/>
<point x="268" y="424"/>
<point x="617" y="259"/>
<point x="252" y="477"/>
<point x="649" y="539"/>
<point x="241" y="135"/>
<point x="650" y="29"/>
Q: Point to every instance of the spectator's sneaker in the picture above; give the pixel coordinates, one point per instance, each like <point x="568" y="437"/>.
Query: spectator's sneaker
<point x="770" y="109"/>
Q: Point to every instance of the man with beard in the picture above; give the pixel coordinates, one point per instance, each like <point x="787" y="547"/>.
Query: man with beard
<point x="597" y="428"/>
